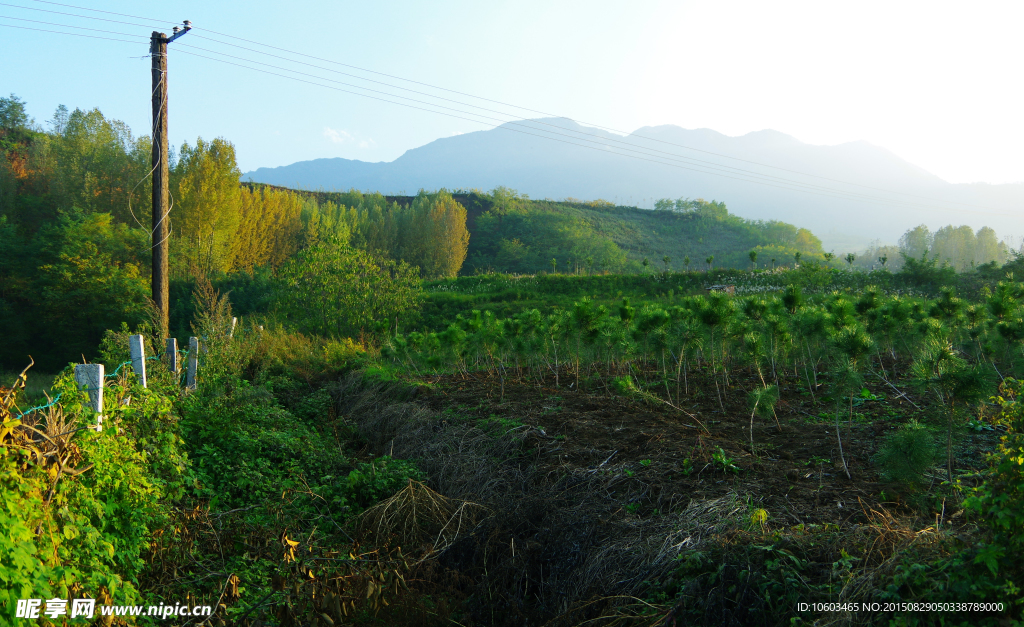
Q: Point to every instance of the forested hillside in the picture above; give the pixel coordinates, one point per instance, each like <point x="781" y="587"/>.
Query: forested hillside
<point x="847" y="216"/>
<point x="75" y="216"/>
<point x="511" y="232"/>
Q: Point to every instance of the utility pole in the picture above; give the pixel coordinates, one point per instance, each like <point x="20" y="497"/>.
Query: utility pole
<point x="161" y="195"/>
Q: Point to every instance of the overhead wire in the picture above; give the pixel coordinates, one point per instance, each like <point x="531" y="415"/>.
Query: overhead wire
<point x="57" y="32"/>
<point x="744" y="176"/>
<point x="96" y="30"/>
<point x="506" y="127"/>
<point x="753" y="176"/>
<point x="87" y="17"/>
<point x="601" y="141"/>
<point x="72" y="6"/>
<point x="590" y="124"/>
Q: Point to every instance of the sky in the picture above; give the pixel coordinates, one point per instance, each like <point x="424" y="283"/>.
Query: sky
<point x="936" y="83"/>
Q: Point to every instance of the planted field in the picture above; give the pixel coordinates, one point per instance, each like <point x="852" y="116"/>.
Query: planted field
<point x="720" y="458"/>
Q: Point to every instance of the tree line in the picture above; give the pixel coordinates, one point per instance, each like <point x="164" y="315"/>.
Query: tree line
<point x="958" y="247"/>
<point x="75" y="210"/>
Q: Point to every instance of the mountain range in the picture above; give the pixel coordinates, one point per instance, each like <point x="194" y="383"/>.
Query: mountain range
<point x="849" y="194"/>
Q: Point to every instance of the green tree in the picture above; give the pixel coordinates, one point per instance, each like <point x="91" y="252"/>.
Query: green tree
<point x="13" y="116"/>
<point x="91" y="280"/>
<point x="940" y="368"/>
<point x="916" y="242"/>
<point x="753" y="259"/>
<point x="987" y="247"/>
<point x="335" y="290"/>
<point x="95" y="164"/>
<point x="955" y="246"/>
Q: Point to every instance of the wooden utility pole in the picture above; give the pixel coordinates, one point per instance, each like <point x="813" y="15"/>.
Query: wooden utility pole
<point x="161" y="195"/>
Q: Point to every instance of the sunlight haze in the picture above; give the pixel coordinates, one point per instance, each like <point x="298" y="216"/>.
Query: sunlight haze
<point x="935" y="83"/>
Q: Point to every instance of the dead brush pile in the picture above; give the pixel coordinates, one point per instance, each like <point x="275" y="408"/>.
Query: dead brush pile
<point x="44" y="436"/>
<point x="420" y="518"/>
<point x="540" y="548"/>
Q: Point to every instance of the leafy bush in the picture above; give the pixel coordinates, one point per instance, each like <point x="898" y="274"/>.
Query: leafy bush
<point x="906" y="454"/>
<point x="79" y="508"/>
<point x="334" y="290"/>
<point x="1000" y="500"/>
<point x="246" y="448"/>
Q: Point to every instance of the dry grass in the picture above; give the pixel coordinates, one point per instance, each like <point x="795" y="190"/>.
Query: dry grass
<point x="555" y="547"/>
<point x="419" y="517"/>
<point x="555" y="543"/>
<point x="45" y="434"/>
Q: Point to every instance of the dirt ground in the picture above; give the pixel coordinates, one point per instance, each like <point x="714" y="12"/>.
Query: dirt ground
<point x="795" y="470"/>
<point x="592" y="493"/>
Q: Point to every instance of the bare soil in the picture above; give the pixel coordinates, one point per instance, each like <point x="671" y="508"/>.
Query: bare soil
<point x="595" y="494"/>
<point x="795" y="470"/>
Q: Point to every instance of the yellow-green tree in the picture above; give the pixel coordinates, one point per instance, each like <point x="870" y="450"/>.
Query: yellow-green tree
<point x="334" y="290"/>
<point x="270" y="228"/>
<point x="205" y="214"/>
<point x="433" y="235"/>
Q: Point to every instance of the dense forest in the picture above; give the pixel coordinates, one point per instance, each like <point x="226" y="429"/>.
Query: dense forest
<point x="75" y="212"/>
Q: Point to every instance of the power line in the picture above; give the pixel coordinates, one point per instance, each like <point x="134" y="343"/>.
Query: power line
<point x="96" y="30"/>
<point x="87" y="17"/>
<point x="757" y="176"/>
<point x="71" y="6"/>
<point x="839" y="194"/>
<point x="705" y="167"/>
<point x="628" y="134"/>
<point x="600" y="140"/>
<point x="43" y="30"/>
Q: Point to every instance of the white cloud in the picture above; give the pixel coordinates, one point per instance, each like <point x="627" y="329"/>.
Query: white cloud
<point x="341" y="136"/>
<point x="337" y="136"/>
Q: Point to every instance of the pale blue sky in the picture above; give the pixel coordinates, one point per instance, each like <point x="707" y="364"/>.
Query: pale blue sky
<point x="935" y="82"/>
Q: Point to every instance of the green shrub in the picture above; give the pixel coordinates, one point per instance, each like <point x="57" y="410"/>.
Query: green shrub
<point x="82" y="527"/>
<point x="1000" y="501"/>
<point x="906" y="454"/>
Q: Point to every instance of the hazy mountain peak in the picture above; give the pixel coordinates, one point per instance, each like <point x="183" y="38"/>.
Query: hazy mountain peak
<point x="848" y="194"/>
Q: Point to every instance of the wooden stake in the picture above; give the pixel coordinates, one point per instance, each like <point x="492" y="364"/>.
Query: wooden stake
<point x="137" y="348"/>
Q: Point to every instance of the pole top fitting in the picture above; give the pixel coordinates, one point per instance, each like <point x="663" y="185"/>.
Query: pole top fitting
<point x="178" y="32"/>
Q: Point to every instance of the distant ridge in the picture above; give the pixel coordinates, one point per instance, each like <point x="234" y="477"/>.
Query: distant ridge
<point x="550" y="169"/>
